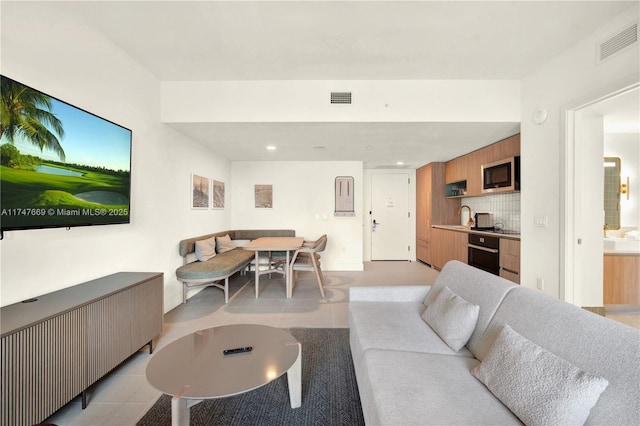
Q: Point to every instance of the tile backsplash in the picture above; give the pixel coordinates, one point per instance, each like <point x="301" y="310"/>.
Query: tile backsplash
<point x="504" y="207"/>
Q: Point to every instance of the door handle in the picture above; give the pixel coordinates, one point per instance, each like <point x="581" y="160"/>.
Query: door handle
<point x="375" y="223"/>
<point x="490" y="250"/>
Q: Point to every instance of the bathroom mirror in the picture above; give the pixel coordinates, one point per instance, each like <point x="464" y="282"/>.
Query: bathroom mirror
<point x="612" y="192"/>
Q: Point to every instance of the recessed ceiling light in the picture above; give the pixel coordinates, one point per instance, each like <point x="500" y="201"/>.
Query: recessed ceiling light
<point x="271" y="147"/>
<point x="399" y="163"/>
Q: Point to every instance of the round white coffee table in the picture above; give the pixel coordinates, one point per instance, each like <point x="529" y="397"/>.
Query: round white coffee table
<point x="194" y="368"/>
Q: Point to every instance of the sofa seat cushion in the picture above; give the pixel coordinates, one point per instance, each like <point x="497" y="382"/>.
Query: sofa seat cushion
<point x="395" y="326"/>
<point x="220" y="266"/>
<point x="409" y="388"/>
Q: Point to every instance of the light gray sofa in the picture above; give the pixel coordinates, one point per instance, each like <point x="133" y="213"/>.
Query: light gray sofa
<point x="408" y="375"/>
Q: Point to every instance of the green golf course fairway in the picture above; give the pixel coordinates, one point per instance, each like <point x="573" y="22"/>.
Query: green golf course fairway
<point x="28" y="189"/>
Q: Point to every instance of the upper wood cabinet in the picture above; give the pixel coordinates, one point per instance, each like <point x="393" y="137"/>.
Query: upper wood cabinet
<point x="456" y="169"/>
<point x="432" y="207"/>
<point x="468" y="167"/>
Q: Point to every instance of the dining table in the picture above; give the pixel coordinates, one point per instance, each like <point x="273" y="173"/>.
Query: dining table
<point x="274" y="244"/>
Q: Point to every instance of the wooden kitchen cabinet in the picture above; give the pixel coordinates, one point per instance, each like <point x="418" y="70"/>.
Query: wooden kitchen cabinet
<point x="448" y="245"/>
<point x="468" y="167"/>
<point x="510" y="259"/>
<point x="456" y="169"/>
<point x="432" y="207"/>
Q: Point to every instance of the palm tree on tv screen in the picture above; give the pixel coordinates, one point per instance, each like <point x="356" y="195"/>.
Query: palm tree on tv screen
<point x="26" y="112"/>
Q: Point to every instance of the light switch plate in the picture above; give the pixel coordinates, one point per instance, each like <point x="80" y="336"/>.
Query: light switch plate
<point x="541" y="221"/>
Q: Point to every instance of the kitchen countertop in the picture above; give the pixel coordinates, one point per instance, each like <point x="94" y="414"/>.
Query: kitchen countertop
<point x="460" y="228"/>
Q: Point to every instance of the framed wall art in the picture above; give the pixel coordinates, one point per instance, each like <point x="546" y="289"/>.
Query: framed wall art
<point x="263" y="196"/>
<point x="199" y="192"/>
<point x="218" y="194"/>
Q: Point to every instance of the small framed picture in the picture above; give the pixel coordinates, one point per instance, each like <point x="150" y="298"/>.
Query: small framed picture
<point x="264" y="196"/>
<point x="218" y="194"/>
<point x="199" y="192"/>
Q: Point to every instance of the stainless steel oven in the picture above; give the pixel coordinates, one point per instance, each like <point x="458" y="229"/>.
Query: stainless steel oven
<point x="484" y="253"/>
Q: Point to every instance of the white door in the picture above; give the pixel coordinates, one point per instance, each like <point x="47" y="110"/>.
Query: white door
<point x="390" y="216"/>
<point x="588" y="196"/>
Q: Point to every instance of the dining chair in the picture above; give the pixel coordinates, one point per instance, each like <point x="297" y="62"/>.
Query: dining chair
<point x="307" y="258"/>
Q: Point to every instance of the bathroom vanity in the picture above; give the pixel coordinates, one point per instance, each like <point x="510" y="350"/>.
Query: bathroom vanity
<point x="621" y="271"/>
<point x="621" y="278"/>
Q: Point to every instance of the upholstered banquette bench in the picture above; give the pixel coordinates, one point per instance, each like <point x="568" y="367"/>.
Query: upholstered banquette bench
<point x="210" y="259"/>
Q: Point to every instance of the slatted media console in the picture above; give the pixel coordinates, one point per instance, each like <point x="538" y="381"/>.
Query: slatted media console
<point x="56" y="346"/>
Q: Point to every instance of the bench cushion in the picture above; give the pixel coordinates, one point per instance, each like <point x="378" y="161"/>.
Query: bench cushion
<point x="218" y="267"/>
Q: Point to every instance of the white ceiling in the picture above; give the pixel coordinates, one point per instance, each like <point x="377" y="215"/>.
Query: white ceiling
<point x="344" y="40"/>
<point x="338" y="40"/>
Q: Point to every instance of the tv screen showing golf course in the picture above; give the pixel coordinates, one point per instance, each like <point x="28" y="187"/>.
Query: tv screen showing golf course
<point x="61" y="166"/>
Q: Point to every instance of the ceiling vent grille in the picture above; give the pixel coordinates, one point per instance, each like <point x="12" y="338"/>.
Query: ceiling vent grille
<point x="341" y="97"/>
<point x="618" y="42"/>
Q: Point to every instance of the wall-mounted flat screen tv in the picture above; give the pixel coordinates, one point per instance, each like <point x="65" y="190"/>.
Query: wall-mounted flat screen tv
<point x="61" y="166"/>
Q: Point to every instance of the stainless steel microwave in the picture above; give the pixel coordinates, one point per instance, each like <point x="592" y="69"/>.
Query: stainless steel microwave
<point x="501" y="176"/>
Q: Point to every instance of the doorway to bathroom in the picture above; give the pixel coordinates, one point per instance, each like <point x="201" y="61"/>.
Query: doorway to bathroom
<point x="597" y="127"/>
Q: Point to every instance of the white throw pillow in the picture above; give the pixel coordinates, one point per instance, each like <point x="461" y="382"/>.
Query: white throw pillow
<point x="452" y="317"/>
<point x="224" y="244"/>
<point x="536" y="385"/>
<point x="206" y="249"/>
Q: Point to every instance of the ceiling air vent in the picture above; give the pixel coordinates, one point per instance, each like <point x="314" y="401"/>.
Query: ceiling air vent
<point x="618" y="42"/>
<point x="341" y="97"/>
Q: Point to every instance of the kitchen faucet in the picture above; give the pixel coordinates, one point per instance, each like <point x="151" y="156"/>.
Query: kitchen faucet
<point x="470" y="222"/>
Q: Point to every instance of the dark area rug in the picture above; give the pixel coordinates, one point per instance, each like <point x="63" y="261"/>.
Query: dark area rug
<point x="329" y="391"/>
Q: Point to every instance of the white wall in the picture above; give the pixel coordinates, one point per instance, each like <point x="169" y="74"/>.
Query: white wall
<point x="570" y="76"/>
<point x="60" y="56"/>
<point x="627" y="147"/>
<point x="303" y="200"/>
<point x="373" y="101"/>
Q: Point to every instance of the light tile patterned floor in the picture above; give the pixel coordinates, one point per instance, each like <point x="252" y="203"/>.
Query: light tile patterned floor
<point x="124" y="396"/>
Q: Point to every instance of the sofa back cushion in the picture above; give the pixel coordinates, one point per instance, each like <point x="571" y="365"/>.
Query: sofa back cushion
<point x="252" y="234"/>
<point x="475" y="286"/>
<point x="590" y="342"/>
